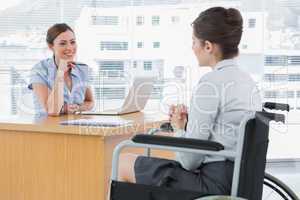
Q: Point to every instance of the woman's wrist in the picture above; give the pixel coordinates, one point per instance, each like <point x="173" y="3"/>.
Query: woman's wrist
<point x="178" y="125"/>
<point x="179" y="132"/>
<point x="60" y="75"/>
<point x="178" y="128"/>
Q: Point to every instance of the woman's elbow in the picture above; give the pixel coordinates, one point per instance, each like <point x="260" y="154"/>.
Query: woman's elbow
<point x="92" y="104"/>
<point x="53" y="112"/>
<point x="89" y="105"/>
<point x="53" y="109"/>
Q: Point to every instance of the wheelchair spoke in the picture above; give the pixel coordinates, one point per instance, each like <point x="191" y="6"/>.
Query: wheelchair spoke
<point x="278" y="187"/>
<point x="272" y="192"/>
<point x="267" y="194"/>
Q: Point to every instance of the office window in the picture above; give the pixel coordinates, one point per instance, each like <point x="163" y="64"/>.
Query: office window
<point x="294" y="60"/>
<point x="175" y="19"/>
<point x="294" y="77"/>
<point x="178" y="72"/>
<point x="244" y="46"/>
<point x="155" y="20"/>
<point x="140" y="20"/>
<point x="157" y="92"/>
<point x="135" y="64"/>
<point x="279" y="94"/>
<point x="140" y="45"/>
<point x="105" y="20"/>
<point x="111" y="68"/>
<point x="18" y="89"/>
<point x="251" y="23"/>
<point x="109" y="92"/>
<point x="156" y="45"/>
<point x="270" y="94"/>
<point x="275" y="60"/>
<point x="113" y="46"/>
<point x="147" y="65"/>
<point x="275" y="77"/>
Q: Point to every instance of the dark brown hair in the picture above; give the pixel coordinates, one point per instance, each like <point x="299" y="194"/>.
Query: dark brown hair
<point x="55" y="30"/>
<point x="221" y="26"/>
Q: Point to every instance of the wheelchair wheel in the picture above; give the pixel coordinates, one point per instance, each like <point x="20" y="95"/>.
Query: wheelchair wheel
<point x="274" y="189"/>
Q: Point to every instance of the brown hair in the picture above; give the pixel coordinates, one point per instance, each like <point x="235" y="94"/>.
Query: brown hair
<point x="55" y="30"/>
<point x="221" y="26"/>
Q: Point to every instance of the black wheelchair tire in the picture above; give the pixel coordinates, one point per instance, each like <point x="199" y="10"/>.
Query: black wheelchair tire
<point x="279" y="187"/>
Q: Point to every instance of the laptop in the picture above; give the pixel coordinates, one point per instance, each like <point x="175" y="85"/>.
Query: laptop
<point x="135" y="100"/>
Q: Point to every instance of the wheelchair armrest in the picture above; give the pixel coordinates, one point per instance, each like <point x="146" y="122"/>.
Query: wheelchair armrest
<point x="276" y="106"/>
<point x="177" y="142"/>
<point x="267" y="117"/>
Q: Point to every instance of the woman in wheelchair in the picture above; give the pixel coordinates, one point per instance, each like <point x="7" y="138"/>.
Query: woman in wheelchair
<point x="219" y="102"/>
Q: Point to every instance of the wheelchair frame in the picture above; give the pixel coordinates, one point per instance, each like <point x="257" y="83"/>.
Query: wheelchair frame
<point x="235" y="155"/>
<point x="209" y="148"/>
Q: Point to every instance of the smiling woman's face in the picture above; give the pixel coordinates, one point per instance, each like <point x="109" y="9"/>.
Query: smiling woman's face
<point x="64" y="46"/>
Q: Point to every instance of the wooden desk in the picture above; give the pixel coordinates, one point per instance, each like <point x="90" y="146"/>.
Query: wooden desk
<point x="42" y="160"/>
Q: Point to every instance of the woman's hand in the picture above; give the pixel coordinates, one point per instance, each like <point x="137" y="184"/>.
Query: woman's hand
<point x="178" y="116"/>
<point x="65" y="65"/>
<point x="71" y="108"/>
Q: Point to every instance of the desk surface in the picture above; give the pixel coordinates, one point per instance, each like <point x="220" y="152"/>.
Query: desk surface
<point x="141" y="121"/>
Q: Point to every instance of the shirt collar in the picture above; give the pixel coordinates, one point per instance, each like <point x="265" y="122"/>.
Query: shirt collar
<point x="75" y="71"/>
<point x="226" y="63"/>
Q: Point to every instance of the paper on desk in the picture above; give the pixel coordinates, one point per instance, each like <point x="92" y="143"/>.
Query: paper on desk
<point x="97" y="122"/>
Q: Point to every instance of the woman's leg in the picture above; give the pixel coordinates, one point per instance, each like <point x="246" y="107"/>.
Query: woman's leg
<point x="126" y="167"/>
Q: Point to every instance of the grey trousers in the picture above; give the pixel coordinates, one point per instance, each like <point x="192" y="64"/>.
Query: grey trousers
<point x="210" y="178"/>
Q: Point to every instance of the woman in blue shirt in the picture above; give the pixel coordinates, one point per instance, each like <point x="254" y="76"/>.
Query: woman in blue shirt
<point x="219" y="101"/>
<point x="60" y="85"/>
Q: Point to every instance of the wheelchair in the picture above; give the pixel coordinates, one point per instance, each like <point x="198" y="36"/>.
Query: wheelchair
<point x="249" y="177"/>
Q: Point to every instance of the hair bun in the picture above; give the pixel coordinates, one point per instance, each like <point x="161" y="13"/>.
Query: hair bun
<point x="221" y="26"/>
<point x="233" y="17"/>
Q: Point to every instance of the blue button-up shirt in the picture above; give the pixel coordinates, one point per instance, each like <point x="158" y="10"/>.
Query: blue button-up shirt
<point x="44" y="73"/>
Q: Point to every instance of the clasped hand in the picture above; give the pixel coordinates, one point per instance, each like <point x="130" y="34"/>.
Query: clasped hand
<point x="71" y="108"/>
<point x="65" y="65"/>
<point x="178" y="116"/>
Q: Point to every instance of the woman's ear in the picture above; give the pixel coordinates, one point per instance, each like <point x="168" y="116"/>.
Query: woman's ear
<point x="208" y="46"/>
<point x="50" y="46"/>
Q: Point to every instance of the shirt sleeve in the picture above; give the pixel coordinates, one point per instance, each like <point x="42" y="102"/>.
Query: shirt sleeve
<point x="38" y="74"/>
<point x="203" y="111"/>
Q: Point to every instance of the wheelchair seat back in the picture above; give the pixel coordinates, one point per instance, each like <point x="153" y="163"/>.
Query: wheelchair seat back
<point x="253" y="161"/>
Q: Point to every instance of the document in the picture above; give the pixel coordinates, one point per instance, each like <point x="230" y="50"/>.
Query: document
<point x="103" y="122"/>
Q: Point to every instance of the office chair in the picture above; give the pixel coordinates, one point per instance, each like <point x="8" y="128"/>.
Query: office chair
<point x="249" y="160"/>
